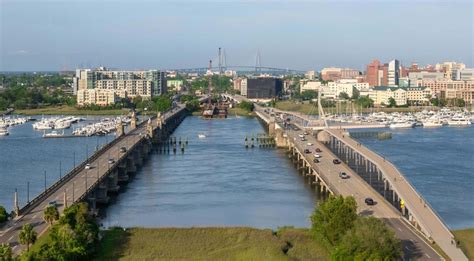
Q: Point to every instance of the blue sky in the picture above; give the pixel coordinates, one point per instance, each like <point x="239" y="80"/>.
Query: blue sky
<point x="58" y="35"/>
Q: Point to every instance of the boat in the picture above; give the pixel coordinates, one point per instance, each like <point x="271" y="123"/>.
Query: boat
<point x="457" y="120"/>
<point x="201" y="136"/>
<point x="3" y="132"/>
<point x="396" y="125"/>
<point x="53" y="134"/>
<point x="432" y="124"/>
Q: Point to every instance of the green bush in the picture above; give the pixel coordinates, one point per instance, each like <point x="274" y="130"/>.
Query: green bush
<point x="3" y="214"/>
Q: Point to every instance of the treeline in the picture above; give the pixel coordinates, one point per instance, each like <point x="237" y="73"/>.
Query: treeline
<point x="349" y="236"/>
<point x="33" y="80"/>
<point x="74" y="236"/>
<point x="219" y="84"/>
<point x="21" y="97"/>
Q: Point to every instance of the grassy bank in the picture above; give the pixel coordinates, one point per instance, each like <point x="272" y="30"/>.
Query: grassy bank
<point x="209" y="244"/>
<point x="466" y="239"/>
<point x="68" y="110"/>
<point x="305" y="108"/>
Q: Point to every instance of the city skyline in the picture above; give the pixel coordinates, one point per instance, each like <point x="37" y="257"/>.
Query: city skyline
<point x="56" y="35"/>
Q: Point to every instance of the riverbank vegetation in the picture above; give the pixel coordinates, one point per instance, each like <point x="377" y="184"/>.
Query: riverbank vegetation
<point x="3" y="214"/>
<point x="351" y="237"/>
<point x="466" y="241"/>
<point x="74" y="237"/>
<point x="230" y="243"/>
<point x="70" y="110"/>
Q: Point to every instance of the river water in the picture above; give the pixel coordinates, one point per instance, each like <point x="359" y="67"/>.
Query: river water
<point x="217" y="182"/>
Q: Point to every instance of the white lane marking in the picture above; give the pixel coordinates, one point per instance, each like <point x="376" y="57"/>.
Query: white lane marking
<point x="13" y="248"/>
<point x="427" y="255"/>
<point x="35" y="216"/>
<point x="11" y="238"/>
<point x="399" y="228"/>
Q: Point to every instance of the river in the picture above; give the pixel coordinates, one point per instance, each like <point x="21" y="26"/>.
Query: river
<point x="218" y="182"/>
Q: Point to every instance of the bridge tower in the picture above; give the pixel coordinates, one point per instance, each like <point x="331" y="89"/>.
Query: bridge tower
<point x="258" y="62"/>
<point x="149" y="128"/>
<point x="159" y="120"/>
<point x="119" y="129"/>
<point x="133" y="122"/>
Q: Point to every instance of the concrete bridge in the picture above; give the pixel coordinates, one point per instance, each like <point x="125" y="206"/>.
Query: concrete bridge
<point x="398" y="203"/>
<point x="110" y="167"/>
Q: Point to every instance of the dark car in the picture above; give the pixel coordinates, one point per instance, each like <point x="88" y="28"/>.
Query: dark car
<point x="343" y="175"/>
<point x="111" y="161"/>
<point x="336" y="161"/>
<point x="316" y="161"/>
<point x="318" y="150"/>
<point x="369" y="201"/>
<point x="307" y="151"/>
<point x="123" y="149"/>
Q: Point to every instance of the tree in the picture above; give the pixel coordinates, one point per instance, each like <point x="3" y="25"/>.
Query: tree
<point x="5" y="252"/>
<point x="27" y="236"/>
<point x="368" y="239"/>
<point x="308" y="95"/>
<point x="392" y="102"/>
<point x="248" y="106"/>
<point x="51" y="214"/>
<point x="364" y="101"/>
<point x="355" y="94"/>
<point x="344" y="96"/>
<point x="3" y="214"/>
<point x="332" y="218"/>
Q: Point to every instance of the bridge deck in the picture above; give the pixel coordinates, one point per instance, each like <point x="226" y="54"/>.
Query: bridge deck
<point x="421" y="210"/>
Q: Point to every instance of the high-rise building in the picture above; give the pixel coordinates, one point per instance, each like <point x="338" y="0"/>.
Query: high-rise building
<point x="450" y="69"/>
<point x="372" y="73"/>
<point x="261" y="88"/>
<point x="125" y="84"/>
<point x="393" y="73"/>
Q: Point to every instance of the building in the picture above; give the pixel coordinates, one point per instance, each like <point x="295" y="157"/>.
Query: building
<point x="174" y="85"/>
<point x="306" y="85"/>
<point x="237" y="82"/>
<point x="310" y="75"/>
<point x="381" y="95"/>
<point x="424" y="76"/>
<point x="466" y="74"/>
<point x="126" y="84"/>
<point x="393" y="73"/>
<point x="261" y="88"/>
<point x="418" y="94"/>
<point x="99" y="97"/>
<point x="372" y="73"/>
<point x="334" y="74"/>
<point x="450" y="69"/>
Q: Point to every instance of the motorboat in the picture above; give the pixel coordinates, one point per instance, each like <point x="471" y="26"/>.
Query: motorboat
<point x="457" y="120"/>
<point x="3" y="132"/>
<point x="396" y="125"/>
<point x="53" y="134"/>
<point x="432" y="124"/>
<point x="201" y="136"/>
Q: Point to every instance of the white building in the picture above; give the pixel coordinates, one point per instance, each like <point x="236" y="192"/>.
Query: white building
<point x="393" y="72"/>
<point x="306" y="85"/>
<point x="381" y="95"/>
<point x="310" y="75"/>
<point x="333" y="89"/>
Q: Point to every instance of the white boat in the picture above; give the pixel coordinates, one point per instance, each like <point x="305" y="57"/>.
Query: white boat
<point x="3" y="132"/>
<point x="432" y="124"/>
<point x="459" y="121"/>
<point x="396" y="125"/>
<point x="201" y="136"/>
<point x="53" y="134"/>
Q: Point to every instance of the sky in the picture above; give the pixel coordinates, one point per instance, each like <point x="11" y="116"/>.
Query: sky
<point x="40" y="35"/>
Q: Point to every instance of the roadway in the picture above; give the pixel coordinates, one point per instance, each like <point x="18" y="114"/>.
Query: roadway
<point x="413" y="246"/>
<point x="75" y="188"/>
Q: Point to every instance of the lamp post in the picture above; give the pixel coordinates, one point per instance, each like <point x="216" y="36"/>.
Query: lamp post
<point x="60" y="169"/>
<point x="45" y="180"/>
<point x="27" y="192"/>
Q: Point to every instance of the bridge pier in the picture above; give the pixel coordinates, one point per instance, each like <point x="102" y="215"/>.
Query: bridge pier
<point x="112" y="182"/>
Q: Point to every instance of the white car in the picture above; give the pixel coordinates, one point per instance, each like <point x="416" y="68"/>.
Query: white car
<point x="309" y="144"/>
<point x="301" y="135"/>
<point x="88" y="166"/>
<point x="317" y="156"/>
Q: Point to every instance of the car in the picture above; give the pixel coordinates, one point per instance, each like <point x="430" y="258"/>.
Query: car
<point x="301" y="135"/>
<point x="318" y="150"/>
<point x="88" y="166"/>
<point x="111" y="161"/>
<point x="317" y="156"/>
<point x="307" y="151"/>
<point x="343" y="175"/>
<point x="316" y="161"/>
<point x="123" y="149"/>
<point x="336" y="161"/>
<point x="53" y="203"/>
<point x="309" y="144"/>
<point x="303" y="139"/>
<point x="369" y="201"/>
<point x="305" y="133"/>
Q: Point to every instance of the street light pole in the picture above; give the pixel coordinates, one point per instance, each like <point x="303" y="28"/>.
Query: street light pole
<point x="45" y="180"/>
<point x="74" y="158"/>
<point x="60" y="170"/>
<point x="27" y="192"/>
